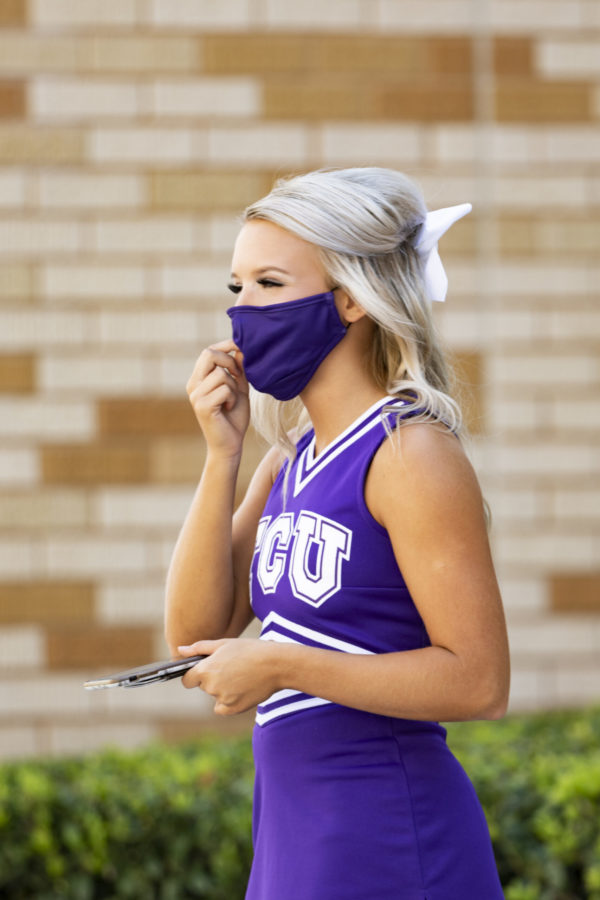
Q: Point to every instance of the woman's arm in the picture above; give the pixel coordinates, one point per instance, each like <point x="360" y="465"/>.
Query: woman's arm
<point x="422" y="488"/>
<point x="207" y="582"/>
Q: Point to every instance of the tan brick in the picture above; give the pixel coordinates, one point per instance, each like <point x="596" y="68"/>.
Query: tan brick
<point x="145" y="54"/>
<point x="468" y="369"/>
<point x="177" y="461"/>
<point x="312" y="99"/>
<point x="206" y="191"/>
<point x="85" y="647"/>
<point x="115" y="462"/>
<point x="13" y="12"/>
<point x="46" y="602"/>
<point x="527" y="101"/>
<point x="428" y="103"/>
<point x="144" y="417"/>
<point x="516" y="236"/>
<point x="17" y="373"/>
<point x="513" y="56"/>
<point x="175" y="731"/>
<point x="12" y="100"/>
<point x="261" y="53"/>
<point x="16" y="281"/>
<point x="29" y="53"/>
<point x="310" y="53"/>
<point x="44" y="145"/>
<point x="44" y="510"/>
<point x="572" y="592"/>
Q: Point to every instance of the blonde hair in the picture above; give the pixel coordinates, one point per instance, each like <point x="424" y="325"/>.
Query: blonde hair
<point x="364" y="222"/>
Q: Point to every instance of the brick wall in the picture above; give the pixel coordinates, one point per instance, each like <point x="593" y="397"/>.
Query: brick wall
<point x="131" y="134"/>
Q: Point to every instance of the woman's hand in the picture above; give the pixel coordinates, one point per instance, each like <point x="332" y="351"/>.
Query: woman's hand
<point x="238" y="672"/>
<point x="218" y="391"/>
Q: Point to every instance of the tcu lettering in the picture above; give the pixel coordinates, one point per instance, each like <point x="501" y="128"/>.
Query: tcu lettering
<point x="316" y="547"/>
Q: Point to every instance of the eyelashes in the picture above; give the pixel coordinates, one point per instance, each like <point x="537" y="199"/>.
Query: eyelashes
<point x="264" y="282"/>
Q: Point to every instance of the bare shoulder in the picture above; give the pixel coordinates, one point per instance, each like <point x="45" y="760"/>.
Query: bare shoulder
<point x="418" y="468"/>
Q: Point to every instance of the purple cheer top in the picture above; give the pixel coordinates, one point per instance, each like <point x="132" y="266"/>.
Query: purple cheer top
<point x="349" y="805"/>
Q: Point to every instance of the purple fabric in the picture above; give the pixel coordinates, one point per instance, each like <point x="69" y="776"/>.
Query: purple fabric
<point x="350" y="805"/>
<point x="285" y="343"/>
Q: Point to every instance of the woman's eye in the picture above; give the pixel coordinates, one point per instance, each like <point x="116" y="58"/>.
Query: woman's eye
<point x="234" y="288"/>
<point x="268" y="282"/>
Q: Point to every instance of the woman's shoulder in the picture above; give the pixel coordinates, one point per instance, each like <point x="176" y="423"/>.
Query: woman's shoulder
<point x="417" y="466"/>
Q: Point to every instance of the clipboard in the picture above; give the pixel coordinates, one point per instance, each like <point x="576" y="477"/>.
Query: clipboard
<point x="138" y="676"/>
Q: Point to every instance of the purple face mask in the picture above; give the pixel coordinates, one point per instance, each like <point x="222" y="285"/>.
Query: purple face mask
<point x="285" y="343"/>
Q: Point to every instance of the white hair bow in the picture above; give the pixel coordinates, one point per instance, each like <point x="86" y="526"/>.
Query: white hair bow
<point x="435" y="225"/>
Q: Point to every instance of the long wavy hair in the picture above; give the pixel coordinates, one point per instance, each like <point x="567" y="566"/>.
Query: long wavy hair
<point x="364" y="222"/>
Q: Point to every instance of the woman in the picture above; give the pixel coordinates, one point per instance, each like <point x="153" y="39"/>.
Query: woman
<point x="364" y="533"/>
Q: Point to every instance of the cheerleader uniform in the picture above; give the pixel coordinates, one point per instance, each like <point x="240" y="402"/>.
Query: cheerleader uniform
<point x="350" y="805"/>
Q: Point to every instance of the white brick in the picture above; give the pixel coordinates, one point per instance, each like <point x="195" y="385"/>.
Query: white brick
<point x="95" y="374"/>
<point x="57" y="13"/>
<point x="534" y="15"/>
<point x="89" y="556"/>
<point x="223" y="232"/>
<point x="174" y="371"/>
<point x="169" y="698"/>
<point x="437" y="16"/>
<point x="22" y="646"/>
<point x="454" y="143"/>
<point x="12" y="188"/>
<point x="43" y="510"/>
<point x="544" y="459"/>
<point x="19" y="467"/>
<point x="50" y="420"/>
<point x="68" y="99"/>
<point x="18" y="559"/>
<point x="17" y="741"/>
<point x="540" y="280"/>
<point x="578" y="415"/>
<point x="534" y="193"/>
<point x="556" y="635"/>
<point x="148" y="509"/>
<point x="144" y="53"/>
<point x="530" y="552"/>
<point x="379" y="144"/>
<point x="514" y="506"/>
<point x="518" y="324"/>
<point x="25" y="329"/>
<point x="503" y="413"/>
<point x="90" y="191"/>
<point x="157" y="146"/>
<point x="154" y="328"/>
<point x="339" y="15"/>
<point x="194" y="281"/>
<point x="47" y="696"/>
<point x="259" y="146"/>
<point x="85" y="282"/>
<point x="524" y="595"/>
<point x="578" y="505"/>
<point x="564" y="58"/>
<point x="35" y="238"/>
<point x="219" y="14"/>
<point x="543" y="370"/>
<point x="207" y="97"/>
<point x="153" y="235"/>
<point x="515" y="144"/>
<point x="531" y="689"/>
<point x="131" y="603"/>
<point x="579" y="144"/>
<point x="65" y="740"/>
<point x="578" y="684"/>
<point x="449" y="190"/>
<point x="460" y="328"/>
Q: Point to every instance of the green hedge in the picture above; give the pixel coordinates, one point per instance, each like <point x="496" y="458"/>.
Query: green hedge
<point x="168" y="823"/>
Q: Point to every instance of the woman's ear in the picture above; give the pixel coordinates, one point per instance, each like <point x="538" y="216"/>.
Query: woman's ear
<point x="348" y="309"/>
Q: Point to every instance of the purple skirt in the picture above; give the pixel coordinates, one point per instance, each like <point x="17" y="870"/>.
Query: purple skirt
<point x="354" y="806"/>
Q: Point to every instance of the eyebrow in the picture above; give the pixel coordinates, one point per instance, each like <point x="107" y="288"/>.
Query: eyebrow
<point x="265" y="269"/>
